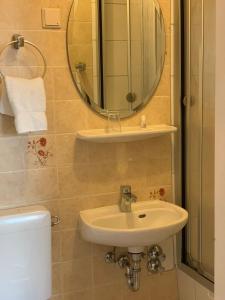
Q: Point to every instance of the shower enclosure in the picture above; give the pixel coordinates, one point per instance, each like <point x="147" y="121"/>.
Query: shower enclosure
<point x="198" y="134"/>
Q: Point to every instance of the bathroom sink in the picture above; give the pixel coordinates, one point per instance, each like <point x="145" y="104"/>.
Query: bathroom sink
<point x="149" y="222"/>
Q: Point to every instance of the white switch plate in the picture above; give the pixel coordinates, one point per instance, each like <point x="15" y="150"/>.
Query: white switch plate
<point x="51" y="17"/>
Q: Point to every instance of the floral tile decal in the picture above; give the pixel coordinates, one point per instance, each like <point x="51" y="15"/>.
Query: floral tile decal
<point x="158" y="194"/>
<point x="39" y="148"/>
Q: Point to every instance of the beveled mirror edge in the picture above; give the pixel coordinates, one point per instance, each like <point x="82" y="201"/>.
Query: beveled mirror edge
<point x="97" y="111"/>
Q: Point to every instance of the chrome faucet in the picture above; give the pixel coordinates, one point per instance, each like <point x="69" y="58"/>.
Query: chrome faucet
<point x="126" y="198"/>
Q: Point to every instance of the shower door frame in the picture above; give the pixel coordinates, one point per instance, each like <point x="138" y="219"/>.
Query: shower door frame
<point x="177" y="87"/>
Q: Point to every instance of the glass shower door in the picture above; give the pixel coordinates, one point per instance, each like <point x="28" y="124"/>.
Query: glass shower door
<point x="199" y="135"/>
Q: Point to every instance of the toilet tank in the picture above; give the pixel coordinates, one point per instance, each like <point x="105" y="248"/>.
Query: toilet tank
<point x="25" y="253"/>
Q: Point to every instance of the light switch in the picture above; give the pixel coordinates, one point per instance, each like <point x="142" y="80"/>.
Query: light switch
<point x="51" y="18"/>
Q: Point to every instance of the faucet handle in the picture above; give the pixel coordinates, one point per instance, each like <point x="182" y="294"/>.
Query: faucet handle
<point x="125" y="189"/>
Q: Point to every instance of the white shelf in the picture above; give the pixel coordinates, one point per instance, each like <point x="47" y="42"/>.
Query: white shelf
<point x="127" y="134"/>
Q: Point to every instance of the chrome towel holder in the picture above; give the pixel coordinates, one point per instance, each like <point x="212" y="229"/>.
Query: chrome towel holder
<point x="19" y="41"/>
<point x="55" y="220"/>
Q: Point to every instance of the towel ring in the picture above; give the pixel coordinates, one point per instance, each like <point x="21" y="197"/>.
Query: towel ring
<point x="17" y="42"/>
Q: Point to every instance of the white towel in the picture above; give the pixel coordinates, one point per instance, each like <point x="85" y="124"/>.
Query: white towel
<point x="25" y="99"/>
<point x="5" y="107"/>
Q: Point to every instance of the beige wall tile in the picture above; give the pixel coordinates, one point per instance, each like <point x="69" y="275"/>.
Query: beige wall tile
<point x="14" y="18"/>
<point x="74" y="180"/>
<point x="70" y="116"/>
<point x="94" y="201"/>
<point x="104" y="178"/>
<point x="108" y="153"/>
<point x="142" y="294"/>
<point x="55" y="53"/>
<point x="56" y="246"/>
<point x="164" y="286"/>
<point x="109" y="292"/>
<point x="11" y="188"/>
<point x="69" y="212"/>
<point x="79" y="175"/>
<point x="105" y="273"/>
<point x="95" y="121"/>
<point x="56" y="279"/>
<point x="85" y="295"/>
<point x="164" y="84"/>
<point x="76" y="275"/>
<point x="159" y="147"/>
<point x="73" y="246"/>
<point x="129" y="174"/>
<point x="11" y="154"/>
<point x="69" y="150"/>
<point x="50" y="113"/>
<point x="159" y="172"/>
<point x="40" y="185"/>
<point x="64" y="86"/>
<point x="100" y="250"/>
<point x="158" y="111"/>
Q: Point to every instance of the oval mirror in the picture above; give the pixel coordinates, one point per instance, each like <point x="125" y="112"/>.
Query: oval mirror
<point x="116" y="52"/>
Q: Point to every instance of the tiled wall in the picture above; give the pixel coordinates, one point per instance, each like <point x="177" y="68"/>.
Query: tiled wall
<point x="67" y="176"/>
<point x="189" y="289"/>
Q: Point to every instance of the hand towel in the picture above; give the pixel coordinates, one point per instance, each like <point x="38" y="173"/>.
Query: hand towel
<point x="5" y="107"/>
<point x="27" y="100"/>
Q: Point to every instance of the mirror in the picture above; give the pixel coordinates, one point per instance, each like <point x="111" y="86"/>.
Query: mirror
<point x="116" y="52"/>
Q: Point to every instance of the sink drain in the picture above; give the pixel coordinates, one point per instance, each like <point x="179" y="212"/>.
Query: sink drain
<point x="142" y="216"/>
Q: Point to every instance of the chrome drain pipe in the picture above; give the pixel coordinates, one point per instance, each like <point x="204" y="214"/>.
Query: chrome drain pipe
<point x="135" y="269"/>
<point x="131" y="263"/>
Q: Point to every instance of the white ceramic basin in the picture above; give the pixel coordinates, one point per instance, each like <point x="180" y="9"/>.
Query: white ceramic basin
<point x="149" y="222"/>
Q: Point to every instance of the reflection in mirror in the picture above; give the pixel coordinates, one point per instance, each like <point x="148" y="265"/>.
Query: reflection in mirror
<point x="116" y="51"/>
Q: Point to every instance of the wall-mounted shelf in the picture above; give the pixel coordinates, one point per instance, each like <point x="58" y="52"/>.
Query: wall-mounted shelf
<point x="127" y="134"/>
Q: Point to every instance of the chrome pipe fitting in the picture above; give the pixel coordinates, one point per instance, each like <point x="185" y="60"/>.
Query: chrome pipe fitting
<point x="134" y="283"/>
<point x="155" y="259"/>
<point x="123" y="261"/>
<point x="55" y="220"/>
<point x="131" y="263"/>
<point x="133" y="269"/>
<point x="110" y="256"/>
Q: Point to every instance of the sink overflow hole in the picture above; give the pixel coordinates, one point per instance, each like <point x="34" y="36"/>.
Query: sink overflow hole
<point x="142" y="216"/>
